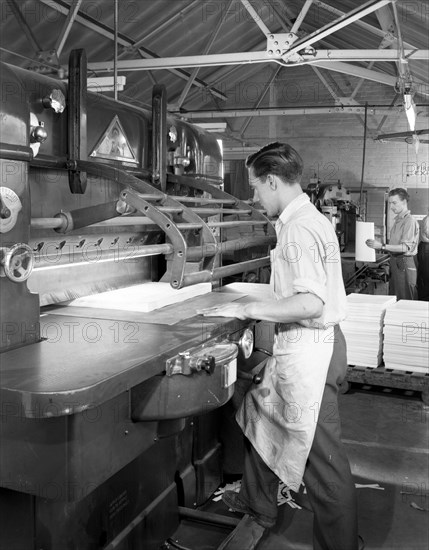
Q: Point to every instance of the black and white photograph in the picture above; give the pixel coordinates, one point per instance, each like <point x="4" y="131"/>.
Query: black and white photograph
<point x="214" y="275"/>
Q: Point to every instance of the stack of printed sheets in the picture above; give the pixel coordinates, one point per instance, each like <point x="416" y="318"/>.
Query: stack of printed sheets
<point x="406" y="336"/>
<point x="363" y="328"/>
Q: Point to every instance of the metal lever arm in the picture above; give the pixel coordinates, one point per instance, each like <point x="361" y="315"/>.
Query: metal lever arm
<point x="136" y="193"/>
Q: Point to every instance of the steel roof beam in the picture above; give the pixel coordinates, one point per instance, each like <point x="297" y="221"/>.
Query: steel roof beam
<point x="336" y="25"/>
<point x="382" y="16"/>
<point x="287" y="24"/>
<point x="325" y="83"/>
<point x="383" y="120"/>
<point x="242" y="58"/>
<point x="24" y="26"/>
<point x="404" y="134"/>
<point x="259" y="101"/>
<point x="166" y="23"/>
<point x="367" y="26"/>
<point x="123" y="40"/>
<point x="362" y="80"/>
<point x="71" y="16"/>
<point x="206" y="50"/>
<point x="301" y="16"/>
<point x="255" y="16"/>
<point x="292" y="30"/>
<point x="323" y="110"/>
<point x="360" y="72"/>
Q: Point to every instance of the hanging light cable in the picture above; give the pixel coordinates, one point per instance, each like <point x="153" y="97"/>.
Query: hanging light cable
<point x="405" y="80"/>
<point x="115" y="58"/>
<point x="365" y="126"/>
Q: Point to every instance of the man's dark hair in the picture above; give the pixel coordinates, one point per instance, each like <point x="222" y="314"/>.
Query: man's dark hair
<point x="402" y="193"/>
<point x="278" y="159"/>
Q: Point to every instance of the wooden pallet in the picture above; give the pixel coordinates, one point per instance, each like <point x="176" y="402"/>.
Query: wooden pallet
<point x="390" y="378"/>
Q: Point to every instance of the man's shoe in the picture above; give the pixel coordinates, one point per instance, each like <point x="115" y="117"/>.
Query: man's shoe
<point x="233" y="501"/>
<point x="246" y="536"/>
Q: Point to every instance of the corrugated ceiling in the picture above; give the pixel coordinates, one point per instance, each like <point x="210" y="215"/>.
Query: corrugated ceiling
<point x="168" y="28"/>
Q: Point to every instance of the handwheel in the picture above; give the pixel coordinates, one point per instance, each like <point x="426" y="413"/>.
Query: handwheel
<point x="18" y="262"/>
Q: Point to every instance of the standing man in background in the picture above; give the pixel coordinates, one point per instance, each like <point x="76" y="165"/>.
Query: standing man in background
<point x="402" y="247"/>
<point x="287" y="438"/>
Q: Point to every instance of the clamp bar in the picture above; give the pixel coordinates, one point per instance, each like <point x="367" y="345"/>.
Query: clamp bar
<point x="135" y="193"/>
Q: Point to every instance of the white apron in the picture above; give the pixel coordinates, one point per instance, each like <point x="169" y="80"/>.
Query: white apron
<point x="279" y="415"/>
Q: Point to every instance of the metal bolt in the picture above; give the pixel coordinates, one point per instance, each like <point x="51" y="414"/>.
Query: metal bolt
<point x="278" y="52"/>
<point x="276" y="43"/>
<point x="126" y="432"/>
<point x="270" y="52"/>
<point x="39" y="134"/>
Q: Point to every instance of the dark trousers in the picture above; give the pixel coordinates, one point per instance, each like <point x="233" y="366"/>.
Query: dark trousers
<point x="423" y="271"/>
<point x="403" y="277"/>
<point x="328" y="480"/>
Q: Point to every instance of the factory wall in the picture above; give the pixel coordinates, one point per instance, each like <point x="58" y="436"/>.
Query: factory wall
<point x="332" y="144"/>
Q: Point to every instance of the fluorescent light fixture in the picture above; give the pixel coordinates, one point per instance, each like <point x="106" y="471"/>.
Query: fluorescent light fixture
<point x="212" y="126"/>
<point x="104" y="83"/>
<point x="410" y="111"/>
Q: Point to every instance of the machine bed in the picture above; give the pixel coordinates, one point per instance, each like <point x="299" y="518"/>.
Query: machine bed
<point x="118" y="350"/>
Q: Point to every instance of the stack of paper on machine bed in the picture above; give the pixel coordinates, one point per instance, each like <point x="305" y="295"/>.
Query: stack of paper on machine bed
<point x="363" y="328"/>
<point x="142" y="298"/>
<point x="406" y="336"/>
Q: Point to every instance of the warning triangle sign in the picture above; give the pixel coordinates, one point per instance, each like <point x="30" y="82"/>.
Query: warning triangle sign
<point x="114" y="144"/>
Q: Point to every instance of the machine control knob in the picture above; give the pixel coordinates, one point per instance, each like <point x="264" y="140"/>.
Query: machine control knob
<point x="213" y="358"/>
<point x="17" y="262"/>
<point x="10" y="206"/>
<point x="38" y="134"/>
<point x="55" y="100"/>
<point x="197" y="363"/>
<point x="246" y="343"/>
<point x="254" y="378"/>
<point x="208" y="364"/>
<point x="187" y="363"/>
<point x="5" y="213"/>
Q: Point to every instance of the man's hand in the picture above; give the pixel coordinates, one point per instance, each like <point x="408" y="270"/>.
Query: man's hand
<point x="228" y="310"/>
<point x="373" y="244"/>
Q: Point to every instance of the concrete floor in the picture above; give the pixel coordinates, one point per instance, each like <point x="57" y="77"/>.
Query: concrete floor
<point x="386" y="436"/>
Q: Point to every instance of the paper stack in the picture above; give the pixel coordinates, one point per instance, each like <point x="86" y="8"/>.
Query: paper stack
<point x="142" y="298"/>
<point x="363" y="328"/>
<point x="406" y="336"/>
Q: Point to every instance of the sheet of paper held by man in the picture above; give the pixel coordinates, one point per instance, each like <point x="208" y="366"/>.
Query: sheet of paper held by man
<point x="364" y="231"/>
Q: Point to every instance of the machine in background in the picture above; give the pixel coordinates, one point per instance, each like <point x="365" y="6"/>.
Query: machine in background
<point x="109" y="418"/>
<point x="335" y="202"/>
